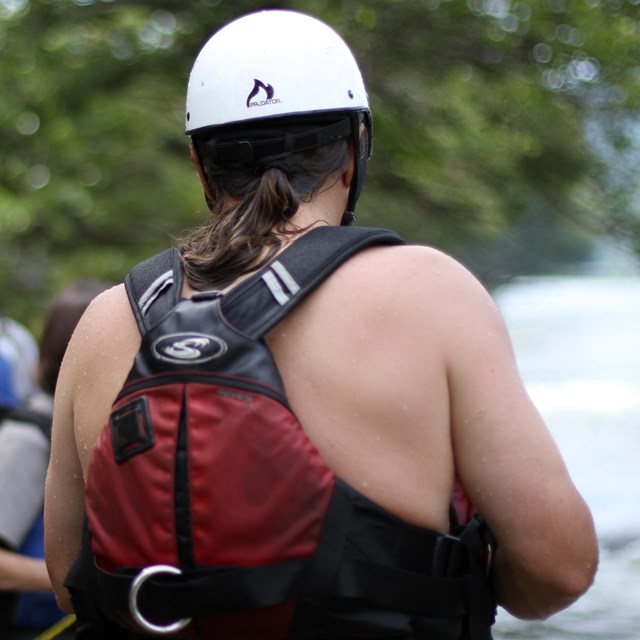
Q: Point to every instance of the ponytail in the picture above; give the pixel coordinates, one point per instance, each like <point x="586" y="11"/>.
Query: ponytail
<point x="250" y="211"/>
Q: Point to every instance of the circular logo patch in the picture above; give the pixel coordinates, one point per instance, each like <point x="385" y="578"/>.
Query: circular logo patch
<point x="188" y="348"/>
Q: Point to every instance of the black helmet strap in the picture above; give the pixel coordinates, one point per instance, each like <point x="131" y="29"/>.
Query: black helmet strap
<point x="250" y="147"/>
<point x="243" y="147"/>
<point x="362" y="153"/>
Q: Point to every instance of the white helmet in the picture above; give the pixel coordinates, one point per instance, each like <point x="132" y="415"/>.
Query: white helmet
<point x="272" y="64"/>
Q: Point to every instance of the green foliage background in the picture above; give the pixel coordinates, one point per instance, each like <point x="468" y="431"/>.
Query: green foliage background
<point x="504" y="130"/>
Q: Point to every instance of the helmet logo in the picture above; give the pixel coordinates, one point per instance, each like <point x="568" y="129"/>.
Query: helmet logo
<point x="267" y="88"/>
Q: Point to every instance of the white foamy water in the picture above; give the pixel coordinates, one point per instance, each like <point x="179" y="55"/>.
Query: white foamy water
<point x="577" y="341"/>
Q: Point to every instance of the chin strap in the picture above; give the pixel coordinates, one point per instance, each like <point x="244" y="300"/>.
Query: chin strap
<point x="362" y="153"/>
<point x="348" y="218"/>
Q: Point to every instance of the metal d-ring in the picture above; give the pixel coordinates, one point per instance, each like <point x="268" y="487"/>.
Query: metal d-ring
<point x="136" y="585"/>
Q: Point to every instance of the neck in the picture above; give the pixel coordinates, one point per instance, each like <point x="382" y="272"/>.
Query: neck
<point x="326" y="207"/>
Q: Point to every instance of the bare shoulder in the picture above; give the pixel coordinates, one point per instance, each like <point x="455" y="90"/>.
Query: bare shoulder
<point x="409" y="266"/>
<point x="107" y="313"/>
<point x="419" y="278"/>
<point x="100" y="351"/>
<point x="409" y="259"/>
<point x="106" y="327"/>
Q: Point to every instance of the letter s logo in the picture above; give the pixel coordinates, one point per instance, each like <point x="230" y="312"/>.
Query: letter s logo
<point x="188" y="348"/>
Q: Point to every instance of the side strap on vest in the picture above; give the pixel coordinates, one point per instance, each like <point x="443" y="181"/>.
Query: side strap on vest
<point x="437" y="577"/>
<point x="442" y="591"/>
<point x="206" y="591"/>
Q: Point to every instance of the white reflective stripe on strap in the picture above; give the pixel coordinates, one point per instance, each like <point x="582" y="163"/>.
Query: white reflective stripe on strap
<point x="154" y="290"/>
<point x="276" y="288"/>
<point x="275" y="283"/>
<point x="286" y="277"/>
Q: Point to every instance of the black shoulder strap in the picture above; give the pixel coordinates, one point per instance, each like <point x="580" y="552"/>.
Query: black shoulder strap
<point x="145" y="284"/>
<point x="28" y="416"/>
<point x="259" y="303"/>
<point x="256" y="305"/>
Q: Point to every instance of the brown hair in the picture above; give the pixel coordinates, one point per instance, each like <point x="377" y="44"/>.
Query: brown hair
<point x="61" y="320"/>
<point x="251" y="206"/>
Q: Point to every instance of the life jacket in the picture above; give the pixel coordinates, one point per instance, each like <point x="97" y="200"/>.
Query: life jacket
<point x="210" y="514"/>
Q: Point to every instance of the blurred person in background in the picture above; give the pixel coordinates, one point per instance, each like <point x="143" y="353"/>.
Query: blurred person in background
<point x="27" y="384"/>
<point x="18" y="362"/>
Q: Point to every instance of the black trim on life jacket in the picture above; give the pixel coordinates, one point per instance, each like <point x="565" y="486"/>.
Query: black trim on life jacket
<point x="397" y="570"/>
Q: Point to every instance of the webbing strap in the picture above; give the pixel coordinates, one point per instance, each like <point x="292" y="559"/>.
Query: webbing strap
<point x="207" y="591"/>
<point x="405" y="591"/>
<point x="252" y="146"/>
<point x="337" y="575"/>
<point x="256" y="305"/>
<point x="154" y="288"/>
<point x="259" y="303"/>
<point x="328" y="557"/>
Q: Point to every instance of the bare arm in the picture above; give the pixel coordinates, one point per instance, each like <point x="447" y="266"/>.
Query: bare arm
<point x="64" y="495"/>
<point x="95" y="366"/>
<point x="510" y="465"/>
<point x="22" y="573"/>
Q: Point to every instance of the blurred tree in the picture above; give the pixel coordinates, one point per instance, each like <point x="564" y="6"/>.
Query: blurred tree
<point x="503" y="129"/>
<point x="483" y="108"/>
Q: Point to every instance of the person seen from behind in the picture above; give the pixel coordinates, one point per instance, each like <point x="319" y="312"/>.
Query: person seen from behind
<point x="399" y="366"/>
<point x="21" y="480"/>
<point x="27" y="601"/>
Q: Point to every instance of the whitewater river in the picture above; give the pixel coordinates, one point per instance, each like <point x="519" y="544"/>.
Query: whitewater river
<point x="578" y="346"/>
